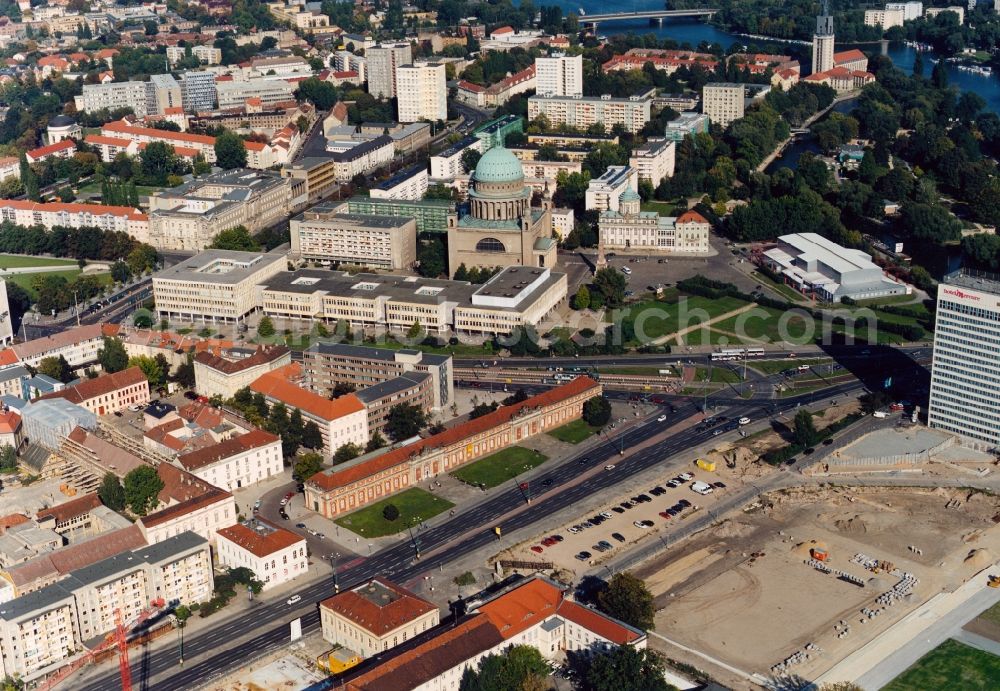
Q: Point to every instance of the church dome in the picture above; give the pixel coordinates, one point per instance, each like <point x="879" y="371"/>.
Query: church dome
<point x="630" y="195"/>
<point x="499" y="165"/>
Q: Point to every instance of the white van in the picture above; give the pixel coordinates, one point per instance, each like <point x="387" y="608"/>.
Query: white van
<point x="701" y="487"/>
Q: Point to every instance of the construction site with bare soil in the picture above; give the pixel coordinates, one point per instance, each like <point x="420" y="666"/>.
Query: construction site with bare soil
<point x="805" y="576"/>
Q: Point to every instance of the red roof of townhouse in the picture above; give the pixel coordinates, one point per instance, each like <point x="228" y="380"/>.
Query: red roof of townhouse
<point x="155" y="134"/>
<point x="8" y="357"/>
<point x="848" y="56"/>
<point x="48" y="150"/>
<point x="101" y="140"/>
<point x="503" y="30"/>
<point x="11" y="520"/>
<point x="516" y="78"/>
<point x="329" y="480"/>
<point x="277" y="385"/>
<point x="80" y="506"/>
<point x="161" y="434"/>
<point x="227" y="448"/>
<point x="79" y="57"/>
<point x="99" y="386"/>
<point x="9" y="422"/>
<point x="346" y="74"/>
<point x="106" y="53"/>
<point x="262" y="356"/>
<point x="175" y="110"/>
<point x="260" y="545"/>
<point x="76" y="556"/>
<point x="691" y="217"/>
<point x="73" y="208"/>
<point x="522" y="607"/>
<point x="53" y="61"/>
<point x="366" y="606"/>
<point x="428" y="660"/>
<point x="62" y="339"/>
<point x="469" y="86"/>
<point x="597" y="622"/>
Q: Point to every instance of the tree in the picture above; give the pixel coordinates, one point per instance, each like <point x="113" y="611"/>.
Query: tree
<point x="237" y="238"/>
<point x="111" y="493"/>
<point x="581" y="300"/>
<point x="12" y="683"/>
<point x="307" y="465"/>
<point x="342" y="388"/>
<point x="120" y="272"/>
<point x="184" y="374"/>
<point x="8" y="458"/>
<point x="611" y="284"/>
<point x="627" y="668"/>
<point x="142" y="487"/>
<point x="112" y="356"/>
<point x="230" y="151"/>
<point x="511" y="669"/>
<point x="157" y="161"/>
<point x="312" y="438"/>
<point x="470" y="158"/>
<point x="346" y="452"/>
<point x="375" y="442"/>
<point x="597" y="411"/>
<point x="432" y="258"/>
<point x="56" y="367"/>
<point x="265" y="328"/>
<point x="805" y="431"/>
<point x="150" y="367"/>
<point x="627" y="598"/>
<point x="390" y="512"/>
<point x="481" y="409"/>
<point x="415" y="331"/>
<point x="405" y="420"/>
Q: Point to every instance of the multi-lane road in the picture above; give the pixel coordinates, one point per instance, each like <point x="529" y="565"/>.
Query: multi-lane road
<point x="224" y="647"/>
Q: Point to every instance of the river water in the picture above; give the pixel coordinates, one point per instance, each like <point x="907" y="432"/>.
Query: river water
<point x="694" y="31"/>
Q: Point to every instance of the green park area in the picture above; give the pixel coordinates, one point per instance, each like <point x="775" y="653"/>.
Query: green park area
<point x="775" y="366"/>
<point x="20" y="261"/>
<point x="500" y="467"/>
<point x="656" y="318"/>
<point x="412" y="506"/>
<point x="95" y="188"/>
<point x="25" y="280"/>
<point x="952" y="665"/>
<point x="573" y="432"/>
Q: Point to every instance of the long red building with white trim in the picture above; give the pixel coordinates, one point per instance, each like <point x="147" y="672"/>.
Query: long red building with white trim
<point x="348" y="487"/>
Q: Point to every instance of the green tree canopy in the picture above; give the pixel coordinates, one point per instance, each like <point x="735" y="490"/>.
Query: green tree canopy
<point x="627" y="598"/>
<point x="265" y="327"/>
<point x="517" y="667"/>
<point x="142" y="487"/>
<point x="805" y="430"/>
<point x="627" y="668"/>
<point x="112" y="355"/>
<point x="611" y="284"/>
<point x="597" y="411"/>
<point x="307" y="465"/>
<point x="390" y="512"/>
<point x="237" y="238"/>
<point x="405" y="420"/>
<point x="150" y="367"/>
<point x="346" y="452"/>
<point x="111" y="493"/>
<point x="230" y="151"/>
<point x="581" y="300"/>
<point x="56" y="367"/>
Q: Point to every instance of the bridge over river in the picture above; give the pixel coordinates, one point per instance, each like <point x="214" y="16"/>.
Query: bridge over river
<point x="654" y="16"/>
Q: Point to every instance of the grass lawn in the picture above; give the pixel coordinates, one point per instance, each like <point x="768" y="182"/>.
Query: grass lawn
<point x="414" y="504"/>
<point x="712" y="337"/>
<point x="17" y="261"/>
<point x="573" y="432"/>
<point x="892" y="300"/>
<point x="774" y="366"/>
<point x="720" y="375"/>
<point x="95" y="188"/>
<point x="991" y="615"/>
<point x="24" y="280"/>
<point x="642" y="371"/>
<point x="662" y="208"/>
<point x="952" y="665"/>
<point x="785" y="291"/>
<point x="500" y="467"/>
<point x="771" y="325"/>
<point x="653" y="318"/>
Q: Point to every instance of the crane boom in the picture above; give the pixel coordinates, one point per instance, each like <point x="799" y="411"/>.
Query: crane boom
<point x="116" y="638"/>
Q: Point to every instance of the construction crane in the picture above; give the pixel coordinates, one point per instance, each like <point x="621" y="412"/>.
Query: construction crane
<point x="118" y="637"/>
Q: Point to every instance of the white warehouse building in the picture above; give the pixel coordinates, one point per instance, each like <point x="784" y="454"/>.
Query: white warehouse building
<point x="816" y="266"/>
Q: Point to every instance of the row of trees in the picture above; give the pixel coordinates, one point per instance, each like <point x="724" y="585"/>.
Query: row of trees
<point x="139" y="493"/>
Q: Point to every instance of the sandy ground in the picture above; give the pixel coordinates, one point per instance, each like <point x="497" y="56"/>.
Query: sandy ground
<point x="743" y="593"/>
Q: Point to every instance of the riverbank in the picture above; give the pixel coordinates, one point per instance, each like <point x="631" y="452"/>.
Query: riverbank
<point x="805" y="126"/>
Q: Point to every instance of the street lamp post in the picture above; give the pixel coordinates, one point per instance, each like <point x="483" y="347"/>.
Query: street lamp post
<point x="413" y="538"/>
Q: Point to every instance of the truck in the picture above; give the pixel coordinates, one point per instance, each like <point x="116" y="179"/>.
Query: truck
<point x="701" y="487"/>
<point x="705" y="465"/>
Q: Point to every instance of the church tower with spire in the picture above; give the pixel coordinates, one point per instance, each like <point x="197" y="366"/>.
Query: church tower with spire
<point x="823" y="41"/>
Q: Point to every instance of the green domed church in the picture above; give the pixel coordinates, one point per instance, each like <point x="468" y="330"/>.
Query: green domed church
<point x="501" y="227"/>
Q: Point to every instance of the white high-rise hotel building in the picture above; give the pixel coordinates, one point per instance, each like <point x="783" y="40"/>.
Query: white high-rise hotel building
<point x="422" y="92"/>
<point x="823" y="39"/>
<point x="965" y="375"/>
<point x="559" y="75"/>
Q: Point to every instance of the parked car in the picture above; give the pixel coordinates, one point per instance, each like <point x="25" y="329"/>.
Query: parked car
<point x="684" y="502"/>
<point x="618" y="536"/>
<point x="665" y="514"/>
<point x="605" y="544"/>
<point x="617" y="509"/>
<point x="685" y="477"/>
<point x="536" y="548"/>
<point x="638" y="524"/>
<point x="744" y="421"/>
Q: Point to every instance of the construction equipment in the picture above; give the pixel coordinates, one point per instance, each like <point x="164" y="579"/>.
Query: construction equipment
<point x="819" y="554"/>
<point x="993" y="582"/>
<point x="118" y="637"/>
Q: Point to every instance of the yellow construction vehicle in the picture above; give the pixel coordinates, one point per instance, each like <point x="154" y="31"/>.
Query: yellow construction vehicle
<point x="993" y="582"/>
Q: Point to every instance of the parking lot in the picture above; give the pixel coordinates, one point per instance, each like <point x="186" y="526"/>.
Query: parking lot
<point x="626" y="520"/>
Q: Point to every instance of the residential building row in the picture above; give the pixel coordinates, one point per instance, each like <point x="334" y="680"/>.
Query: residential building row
<point x="632" y="113"/>
<point x="326" y="235"/>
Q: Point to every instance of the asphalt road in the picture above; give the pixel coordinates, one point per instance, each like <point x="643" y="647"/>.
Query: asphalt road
<point x="466" y="532"/>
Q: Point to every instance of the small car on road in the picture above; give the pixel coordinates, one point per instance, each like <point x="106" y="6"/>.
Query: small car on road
<point x="662" y="418"/>
<point x="610" y="466"/>
<point x="293" y="600"/>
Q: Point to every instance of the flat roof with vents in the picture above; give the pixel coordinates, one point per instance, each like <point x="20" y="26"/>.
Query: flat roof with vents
<point x="510" y="286"/>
